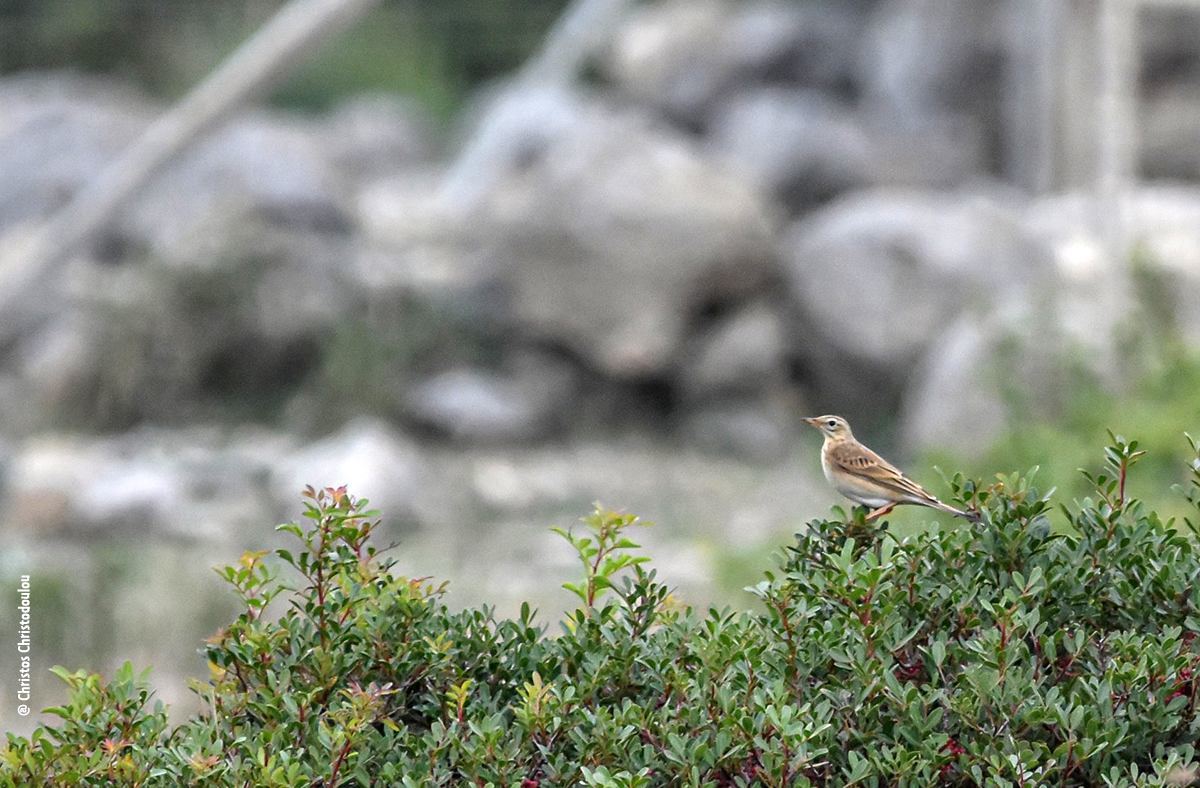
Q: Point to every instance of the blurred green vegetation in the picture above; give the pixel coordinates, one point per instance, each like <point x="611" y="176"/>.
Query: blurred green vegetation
<point x="433" y="50"/>
<point x="1156" y="411"/>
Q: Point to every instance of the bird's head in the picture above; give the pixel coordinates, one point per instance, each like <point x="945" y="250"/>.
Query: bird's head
<point x="832" y="427"/>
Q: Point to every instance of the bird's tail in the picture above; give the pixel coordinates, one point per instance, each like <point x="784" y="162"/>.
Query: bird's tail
<point x="945" y="507"/>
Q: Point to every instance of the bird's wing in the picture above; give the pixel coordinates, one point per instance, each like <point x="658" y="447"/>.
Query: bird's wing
<point x="859" y="461"/>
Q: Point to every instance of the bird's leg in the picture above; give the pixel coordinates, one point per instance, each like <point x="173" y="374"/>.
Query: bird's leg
<point x="880" y="512"/>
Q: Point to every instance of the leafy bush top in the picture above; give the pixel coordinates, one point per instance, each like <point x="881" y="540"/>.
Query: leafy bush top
<point x="992" y="655"/>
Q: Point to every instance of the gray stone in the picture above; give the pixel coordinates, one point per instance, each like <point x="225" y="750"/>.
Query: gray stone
<point x="954" y="402"/>
<point x="1169" y="136"/>
<point x="798" y="43"/>
<point x="1168" y="46"/>
<point x="53" y="366"/>
<point x="744" y="351"/>
<point x="367" y="456"/>
<point x="878" y="274"/>
<point x="681" y="56"/>
<point x="506" y="128"/>
<point x="807" y="147"/>
<point x="480" y="406"/>
<point x="1097" y="297"/>
<point x="262" y="169"/>
<point x="57" y="131"/>
<point x="171" y="485"/>
<point x="667" y="56"/>
<point x="923" y="57"/>
<point x="1084" y="310"/>
<point x="962" y="393"/>
<point x="760" y="428"/>
<point x="379" y="135"/>
<point x="803" y="146"/>
<point x="473" y="405"/>
<point x="614" y="236"/>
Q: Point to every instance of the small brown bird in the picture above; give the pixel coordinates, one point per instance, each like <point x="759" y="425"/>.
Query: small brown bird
<point x="866" y="478"/>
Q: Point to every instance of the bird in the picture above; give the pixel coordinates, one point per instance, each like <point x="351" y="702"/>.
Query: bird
<point x="866" y="478"/>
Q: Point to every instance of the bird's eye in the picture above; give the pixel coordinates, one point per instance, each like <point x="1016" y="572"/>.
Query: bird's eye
<point x="831" y="424"/>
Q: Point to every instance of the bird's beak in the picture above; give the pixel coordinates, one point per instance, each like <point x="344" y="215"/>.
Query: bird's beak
<point x="813" y="421"/>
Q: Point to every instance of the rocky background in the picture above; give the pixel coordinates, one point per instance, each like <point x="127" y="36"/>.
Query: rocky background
<point x="746" y="213"/>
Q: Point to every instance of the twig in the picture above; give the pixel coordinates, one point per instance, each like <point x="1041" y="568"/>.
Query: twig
<point x="27" y="264"/>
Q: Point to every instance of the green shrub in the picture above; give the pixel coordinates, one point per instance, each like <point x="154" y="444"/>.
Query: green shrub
<point x="1000" y="654"/>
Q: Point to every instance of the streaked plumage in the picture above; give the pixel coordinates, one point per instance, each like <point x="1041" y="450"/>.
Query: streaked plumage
<point x="866" y="478"/>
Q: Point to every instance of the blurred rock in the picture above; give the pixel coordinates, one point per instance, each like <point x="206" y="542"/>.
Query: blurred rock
<point x="1162" y="224"/>
<point x="607" y="242"/>
<point x="744" y="351"/>
<point x="506" y="128"/>
<point x="398" y="211"/>
<point x="220" y="280"/>
<point x="379" y="135"/>
<point x="240" y="273"/>
<point x="806" y="147"/>
<point x="877" y="275"/>
<point x="1170" y="134"/>
<point x="668" y="56"/>
<point x="802" y="146"/>
<point x="962" y="394"/>
<point x="1168" y="47"/>
<point x="164" y="484"/>
<point x="367" y="456"/>
<point x="680" y="56"/>
<point x="758" y="428"/>
<point x="1088" y="295"/>
<point x="805" y="44"/>
<point x="478" y="406"/>
<point x="926" y="57"/>
<point x="53" y="367"/>
<point x="261" y="169"/>
<point x="955" y="402"/>
<point x="1168" y="230"/>
<point x="172" y="344"/>
<point x="57" y="131"/>
<point x="1084" y="310"/>
<point x="412" y="245"/>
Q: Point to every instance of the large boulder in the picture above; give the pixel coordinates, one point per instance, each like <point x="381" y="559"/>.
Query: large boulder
<point x="743" y="352"/>
<point x="1170" y="134"/>
<point x="803" y="146"/>
<point x="379" y="135"/>
<point x="806" y="146"/>
<point x="681" y="56"/>
<point x="57" y="131"/>
<point x="733" y="390"/>
<point x="755" y="427"/>
<point x="875" y="277"/>
<point x="221" y="280"/>
<point x="608" y="241"/>
<point x="1168" y="46"/>
<point x="264" y="168"/>
<point x="1087" y="307"/>
<point x="1161" y="229"/>
<point x="926" y="63"/>
<point x="475" y="405"/>
<point x="367" y="456"/>
<point x="927" y="56"/>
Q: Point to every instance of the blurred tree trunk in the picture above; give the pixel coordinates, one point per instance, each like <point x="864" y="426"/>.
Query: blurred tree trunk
<point x="28" y="264"/>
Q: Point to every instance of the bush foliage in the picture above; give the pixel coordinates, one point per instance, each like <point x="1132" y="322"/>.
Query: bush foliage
<point x="996" y="654"/>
